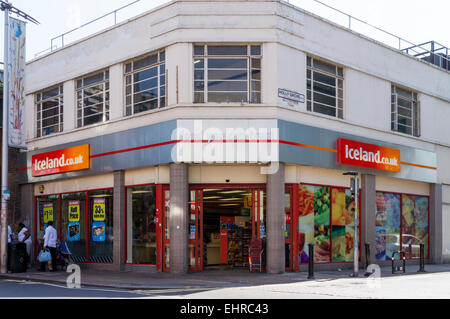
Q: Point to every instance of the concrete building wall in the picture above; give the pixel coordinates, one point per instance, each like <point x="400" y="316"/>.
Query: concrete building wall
<point x="75" y="185"/>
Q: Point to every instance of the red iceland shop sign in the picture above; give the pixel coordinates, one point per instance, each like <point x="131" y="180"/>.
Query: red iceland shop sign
<point x="369" y="155"/>
<point x="61" y="161"/>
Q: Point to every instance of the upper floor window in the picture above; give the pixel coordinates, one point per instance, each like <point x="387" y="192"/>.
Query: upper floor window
<point x="93" y="99"/>
<point x="227" y="74"/>
<point x="405" y="111"/>
<point x="49" y="111"/>
<point x="325" y="88"/>
<point x="145" y="84"/>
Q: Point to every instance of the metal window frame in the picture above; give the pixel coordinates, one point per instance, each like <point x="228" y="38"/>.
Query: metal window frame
<point x="310" y="67"/>
<point x="39" y="101"/>
<point x="206" y="57"/>
<point x="82" y="88"/>
<point x="159" y="75"/>
<point x="415" y="111"/>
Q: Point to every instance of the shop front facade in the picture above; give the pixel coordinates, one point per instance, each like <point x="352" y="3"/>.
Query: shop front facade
<point x="175" y="154"/>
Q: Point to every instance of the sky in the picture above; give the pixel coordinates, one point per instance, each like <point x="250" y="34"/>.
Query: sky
<point x="417" y="21"/>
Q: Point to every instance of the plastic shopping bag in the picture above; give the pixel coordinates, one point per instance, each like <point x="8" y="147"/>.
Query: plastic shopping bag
<point x="44" y="256"/>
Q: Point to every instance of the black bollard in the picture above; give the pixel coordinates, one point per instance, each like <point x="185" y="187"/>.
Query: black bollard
<point x="311" y="262"/>
<point x="422" y="258"/>
<point x="367" y="274"/>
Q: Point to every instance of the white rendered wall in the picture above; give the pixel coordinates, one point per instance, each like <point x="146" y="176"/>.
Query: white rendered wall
<point x="76" y="184"/>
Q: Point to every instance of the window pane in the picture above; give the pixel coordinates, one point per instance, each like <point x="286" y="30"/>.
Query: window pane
<point x="324" y="109"/>
<point x="228" y="97"/>
<point x="51" y="93"/>
<point x="146" y="95"/>
<point x="227" y="63"/>
<point x="141" y="225"/>
<point x="256" y="75"/>
<point x="73" y="224"/>
<point x="145" y="106"/>
<point x="199" y="97"/>
<point x="96" y="99"/>
<point x="93" y="79"/>
<point x="199" y="75"/>
<point x="404" y="93"/>
<point x="199" y="63"/>
<point x="143" y="75"/>
<point x="322" y="88"/>
<point x="199" y="50"/>
<point x="199" y="86"/>
<point x="404" y="120"/>
<point x="227" y="75"/>
<point x="325" y="79"/>
<point x="93" y="90"/>
<point x="227" y="86"/>
<point x="101" y="231"/>
<point x="256" y="50"/>
<point x="227" y="50"/>
<point x="153" y="59"/>
<point x="325" y="66"/>
<point x="93" y="119"/>
<point x="404" y="103"/>
<point x="404" y="129"/>
<point x="325" y="99"/>
<point x="145" y="85"/>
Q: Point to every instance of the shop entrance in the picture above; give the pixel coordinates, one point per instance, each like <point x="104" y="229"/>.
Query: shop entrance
<point x="223" y="221"/>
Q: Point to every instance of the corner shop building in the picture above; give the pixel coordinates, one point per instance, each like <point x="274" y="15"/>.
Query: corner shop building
<point x="134" y="206"/>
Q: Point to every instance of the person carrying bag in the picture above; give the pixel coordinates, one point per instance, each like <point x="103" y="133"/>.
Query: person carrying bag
<point x="50" y="238"/>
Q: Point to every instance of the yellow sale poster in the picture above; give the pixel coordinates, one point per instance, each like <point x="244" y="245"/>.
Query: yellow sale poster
<point x="99" y="209"/>
<point x="48" y="212"/>
<point x="74" y="211"/>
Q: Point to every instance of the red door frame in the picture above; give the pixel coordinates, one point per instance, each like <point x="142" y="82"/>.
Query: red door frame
<point x="198" y="211"/>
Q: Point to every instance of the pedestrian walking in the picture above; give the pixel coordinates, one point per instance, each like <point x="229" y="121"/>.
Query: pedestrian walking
<point x="24" y="236"/>
<point x="50" y="239"/>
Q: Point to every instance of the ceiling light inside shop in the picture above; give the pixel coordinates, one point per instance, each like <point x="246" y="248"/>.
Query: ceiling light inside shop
<point x="211" y="197"/>
<point x="232" y="199"/>
<point x="99" y="196"/>
<point x="228" y="205"/>
<point x="141" y="192"/>
<point x="232" y="192"/>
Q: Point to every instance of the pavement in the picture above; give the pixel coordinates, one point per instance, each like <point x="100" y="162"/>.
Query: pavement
<point x="208" y="279"/>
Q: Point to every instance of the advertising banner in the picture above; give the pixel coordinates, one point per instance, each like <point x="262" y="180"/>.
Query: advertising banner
<point x="99" y="210"/>
<point x="369" y="156"/>
<point x="16" y="82"/>
<point x="48" y="213"/>
<point x="74" y="232"/>
<point x="61" y="161"/>
<point x="98" y="231"/>
<point x="74" y="211"/>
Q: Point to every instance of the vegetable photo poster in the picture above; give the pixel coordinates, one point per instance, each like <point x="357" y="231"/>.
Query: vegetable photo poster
<point x="343" y="221"/>
<point x="322" y="207"/>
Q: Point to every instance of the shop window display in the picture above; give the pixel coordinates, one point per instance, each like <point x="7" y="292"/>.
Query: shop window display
<point x="73" y="224"/>
<point x="401" y="224"/>
<point x="101" y="226"/>
<point x="414" y="224"/>
<point x="141" y="225"/>
<point x="47" y="210"/>
<point x="343" y="221"/>
<point x="326" y="219"/>
<point x="387" y="225"/>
